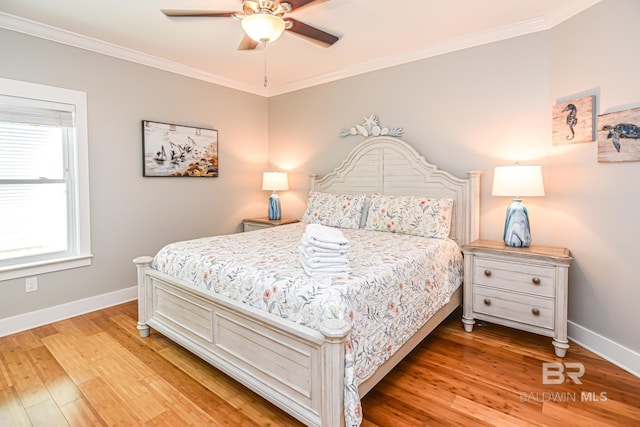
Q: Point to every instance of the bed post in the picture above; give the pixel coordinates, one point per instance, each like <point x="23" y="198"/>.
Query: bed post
<point x="312" y="182"/>
<point x="335" y="332"/>
<point x="143" y="263"/>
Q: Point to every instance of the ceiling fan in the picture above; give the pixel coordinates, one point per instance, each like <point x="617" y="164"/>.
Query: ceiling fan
<point x="263" y="21"/>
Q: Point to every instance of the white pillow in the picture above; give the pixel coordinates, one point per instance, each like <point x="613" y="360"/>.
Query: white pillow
<point x="334" y="210"/>
<point x="419" y="216"/>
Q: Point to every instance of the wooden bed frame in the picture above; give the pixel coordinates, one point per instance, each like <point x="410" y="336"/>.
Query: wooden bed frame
<point x="299" y="369"/>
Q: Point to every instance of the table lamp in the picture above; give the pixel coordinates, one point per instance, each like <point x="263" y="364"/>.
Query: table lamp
<point x="517" y="181"/>
<point x="274" y="181"/>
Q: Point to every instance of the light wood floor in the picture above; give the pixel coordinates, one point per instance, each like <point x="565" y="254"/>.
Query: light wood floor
<point x="95" y="370"/>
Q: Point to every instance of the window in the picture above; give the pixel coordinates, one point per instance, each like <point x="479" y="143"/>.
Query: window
<point x="44" y="189"/>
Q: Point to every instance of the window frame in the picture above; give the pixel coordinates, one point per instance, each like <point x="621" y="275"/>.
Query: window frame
<point x="80" y="182"/>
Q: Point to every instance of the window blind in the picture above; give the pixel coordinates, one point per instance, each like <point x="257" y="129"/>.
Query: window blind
<point x="14" y="109"/>
<point x="34" y="202"/>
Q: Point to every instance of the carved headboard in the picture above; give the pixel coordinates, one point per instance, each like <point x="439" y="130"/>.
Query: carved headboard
<point x="390" y="166"/>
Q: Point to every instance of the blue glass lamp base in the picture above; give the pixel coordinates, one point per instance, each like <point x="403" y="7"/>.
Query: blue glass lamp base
<point x="274" y="206"/>
<point x="517" y="233"/>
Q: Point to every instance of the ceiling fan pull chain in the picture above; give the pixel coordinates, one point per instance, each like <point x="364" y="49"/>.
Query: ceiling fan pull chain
<point x="265" y="62"/>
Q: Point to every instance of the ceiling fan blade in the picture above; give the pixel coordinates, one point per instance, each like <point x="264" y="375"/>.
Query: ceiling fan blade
<point x="247" y="43"/>
<point x="176" y="13"/>
<point x="316" y="35"/>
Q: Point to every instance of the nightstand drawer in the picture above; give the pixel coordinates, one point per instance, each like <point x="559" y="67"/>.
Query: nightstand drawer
<point x="517" y="307"/>
<point x="252" y="226"/>
<point x="518" y="277"/>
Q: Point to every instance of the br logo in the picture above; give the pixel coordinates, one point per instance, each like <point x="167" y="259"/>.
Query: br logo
<point x="555" y="372"/>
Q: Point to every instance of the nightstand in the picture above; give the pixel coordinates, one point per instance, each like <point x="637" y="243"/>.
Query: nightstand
<point x="524" y="288"/>
<point x="253" y="224"/>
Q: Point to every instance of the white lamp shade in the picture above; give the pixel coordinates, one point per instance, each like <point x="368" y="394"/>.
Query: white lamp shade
<point x="275" y="181"/>
<point x="263" y="27"/>
<point x="517" y="181"/>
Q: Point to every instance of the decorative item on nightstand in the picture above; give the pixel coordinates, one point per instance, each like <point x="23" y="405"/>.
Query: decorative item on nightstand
<point x="275" y="181"/>
<point x="517" y="181"/>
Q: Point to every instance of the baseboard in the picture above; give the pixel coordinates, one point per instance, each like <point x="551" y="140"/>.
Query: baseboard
<point x="625" y="358"/>
<point x="22" y="322"/>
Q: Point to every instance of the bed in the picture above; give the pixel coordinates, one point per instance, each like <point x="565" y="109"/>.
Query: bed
<point x="302" y="358"/>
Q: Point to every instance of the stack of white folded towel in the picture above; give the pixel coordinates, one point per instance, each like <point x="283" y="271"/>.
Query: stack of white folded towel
<point x="324" y="251"/>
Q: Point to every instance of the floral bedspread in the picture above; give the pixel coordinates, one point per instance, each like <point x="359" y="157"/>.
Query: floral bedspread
<point x="397" y="283"/>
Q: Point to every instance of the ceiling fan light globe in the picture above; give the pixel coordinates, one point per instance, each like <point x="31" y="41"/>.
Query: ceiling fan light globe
<point x="263" y="27"/>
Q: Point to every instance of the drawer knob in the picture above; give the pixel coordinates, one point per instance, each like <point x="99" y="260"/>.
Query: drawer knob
<point x="487" y="273"/>
<point x="535" y="311"/>
<point x="487" y="301"/>
<point x="536" y="280"/>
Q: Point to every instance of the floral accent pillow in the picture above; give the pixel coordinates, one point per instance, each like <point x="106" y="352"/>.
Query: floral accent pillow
<point x="419" y="216"/>
<point x="334" y="210"/>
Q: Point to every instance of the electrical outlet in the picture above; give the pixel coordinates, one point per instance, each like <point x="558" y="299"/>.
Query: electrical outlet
<point x="32" y="284"/>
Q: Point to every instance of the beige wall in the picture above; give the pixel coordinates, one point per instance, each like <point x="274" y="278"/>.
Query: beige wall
<point x="491" y="105"/>
<point x="595" y="204"/>
<point x="132" y="215"/>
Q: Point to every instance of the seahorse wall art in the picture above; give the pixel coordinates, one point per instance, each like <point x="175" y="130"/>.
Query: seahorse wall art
<point x="619" y="136"/>
<point x="573" y="121"/>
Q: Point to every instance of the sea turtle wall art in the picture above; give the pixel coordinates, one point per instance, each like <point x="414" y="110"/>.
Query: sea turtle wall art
<point x="619" y="136"/>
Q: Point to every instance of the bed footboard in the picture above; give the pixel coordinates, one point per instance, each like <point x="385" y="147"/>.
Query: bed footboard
<point x="298" y="369"/>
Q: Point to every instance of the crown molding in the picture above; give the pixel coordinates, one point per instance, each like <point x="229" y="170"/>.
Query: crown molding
<point x="517" y="29"/>
<point x="47" y="32"/>
<point x="521" y="28"/>
<point x="569" y="10"/>
<point x="477" y="39"/>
